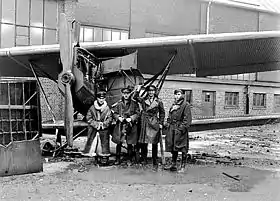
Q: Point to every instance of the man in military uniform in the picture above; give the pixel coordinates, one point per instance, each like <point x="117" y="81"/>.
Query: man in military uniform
<point x="126" y="113"/>
<point x="152" y="119"/>
<point x="99" y="118"/>
<point x="177" y="137"/>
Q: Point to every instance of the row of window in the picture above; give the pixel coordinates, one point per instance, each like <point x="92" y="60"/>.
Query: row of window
<point x="28" y="22"/>
<point x="232" y="98"/>
<point x="244" y="76"/>
<point x="34" y="22"/>
<point x="98" y="34"/>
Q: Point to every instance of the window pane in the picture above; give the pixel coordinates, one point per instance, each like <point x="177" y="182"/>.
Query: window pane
<point x="82" y="34"/>
<point x="22" y="41"/>
<point x="36" y="36"/>
<point x="22" y="31"/>
<point x="97" y="34"/>
<point x="107" y="35"/>
<point x="252" y="76"/>
<point x="246" y="76"/>
<point x="50" y="13"/>
<point x="88" y="34"/>
<point x="23" y="12"/>
<point x="116" y="35"/>
<point x="124" y="35"/>
<point x="22" y="36"/>
<point x="36" y="16"/>
<point x="8" y="11"/>
<point x="49" y="37"/>
<point x="7" y="35"/>
<point x="234" y="77"/>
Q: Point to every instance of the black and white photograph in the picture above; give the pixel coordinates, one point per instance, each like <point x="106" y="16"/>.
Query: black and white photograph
<point x="131" y="100"/>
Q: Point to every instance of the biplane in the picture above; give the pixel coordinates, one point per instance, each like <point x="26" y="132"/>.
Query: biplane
<point x="80" y="69"/>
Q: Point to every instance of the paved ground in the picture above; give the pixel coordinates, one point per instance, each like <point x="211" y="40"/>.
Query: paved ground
<point x="249" y="154"/>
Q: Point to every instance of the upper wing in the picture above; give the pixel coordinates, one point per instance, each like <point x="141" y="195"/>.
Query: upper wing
<point x="213" y="54"/>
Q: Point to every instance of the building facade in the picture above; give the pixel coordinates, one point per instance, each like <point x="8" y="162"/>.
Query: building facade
<point x="35" y="22"/>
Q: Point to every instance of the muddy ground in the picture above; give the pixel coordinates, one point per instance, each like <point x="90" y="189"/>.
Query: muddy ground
<point x="227" y="164"/>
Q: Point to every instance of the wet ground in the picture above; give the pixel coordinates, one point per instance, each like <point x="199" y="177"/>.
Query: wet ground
<point x="228" y="164"/>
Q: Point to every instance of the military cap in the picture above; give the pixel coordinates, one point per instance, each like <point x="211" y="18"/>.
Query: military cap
<point x="178" y="91"/>
<point x="151" y="88"/>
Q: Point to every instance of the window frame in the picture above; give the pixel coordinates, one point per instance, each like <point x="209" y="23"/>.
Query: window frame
<point x="29" y="26"/>
<point x="230" y="97"/>
<point x="102" y="29"/>
<point x="276" y="96"/>
<point x="259" y="106"/>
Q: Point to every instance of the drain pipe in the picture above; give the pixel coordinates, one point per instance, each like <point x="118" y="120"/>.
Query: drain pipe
<point x="208" y="16"/>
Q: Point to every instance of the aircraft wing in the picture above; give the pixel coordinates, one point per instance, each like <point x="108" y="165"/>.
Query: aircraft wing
<point x="213" y="54"/>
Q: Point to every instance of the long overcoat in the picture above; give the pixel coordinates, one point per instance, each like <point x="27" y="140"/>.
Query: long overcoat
<point x="178" y="122"/>
<point x="94" y="117"/>
<point x="124" y="130"/>
<point x="152" y="115"/>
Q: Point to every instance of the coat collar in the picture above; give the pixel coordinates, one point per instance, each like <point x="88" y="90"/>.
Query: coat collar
<point x="176" y="105"/>
<point x="152" y="104"/>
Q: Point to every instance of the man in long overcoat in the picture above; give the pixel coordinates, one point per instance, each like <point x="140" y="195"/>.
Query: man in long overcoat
<point x="177" y="137"/>
<point x="99" y="118"/>
<point x="126" y="113"/>
<point x="152" y="119"/>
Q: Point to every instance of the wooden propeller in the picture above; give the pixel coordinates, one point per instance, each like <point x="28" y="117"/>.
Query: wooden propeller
<point x="66" y="77"/>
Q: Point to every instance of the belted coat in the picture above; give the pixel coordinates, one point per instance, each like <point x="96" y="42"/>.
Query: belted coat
<point x="176" y="131"/>
<point x="126" y="130"/>
<point x="152" y="115"/>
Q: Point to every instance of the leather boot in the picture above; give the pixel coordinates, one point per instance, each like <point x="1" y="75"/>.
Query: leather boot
<point x="144" y="153"/>
<point x="118" y="154"/>
<point x="155" y="156"/>
<point x="183" y="163"/>
<point x="137" y="154"/>
<point x="173" y="166"/>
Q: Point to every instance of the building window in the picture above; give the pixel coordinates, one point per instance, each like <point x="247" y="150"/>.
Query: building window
<point x="207" y="97"/>
<point x="99" y="34"/>
<point x="277" y="100"/>
<point x="188" y="95"/>
<point x="259" y="100"/>
<point x="231" y="99"/>
<point x="28" y="22"/>
<point x="245" y="76"/>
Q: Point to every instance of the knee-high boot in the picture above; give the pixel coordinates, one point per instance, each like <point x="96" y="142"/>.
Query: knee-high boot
<point x="144" y="153"/>
<point x="118" y="154"/>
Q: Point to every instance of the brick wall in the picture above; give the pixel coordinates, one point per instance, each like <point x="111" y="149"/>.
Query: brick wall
<point x="220" y="89"/>
<point x="55" y="100"/>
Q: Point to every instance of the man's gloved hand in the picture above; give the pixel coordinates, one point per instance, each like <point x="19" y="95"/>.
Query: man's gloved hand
<point x="128" y="120"/>
<point x="160" y="126"/>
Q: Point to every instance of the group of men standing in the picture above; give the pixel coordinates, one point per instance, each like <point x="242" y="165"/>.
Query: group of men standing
<point x="137" y="120"/>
